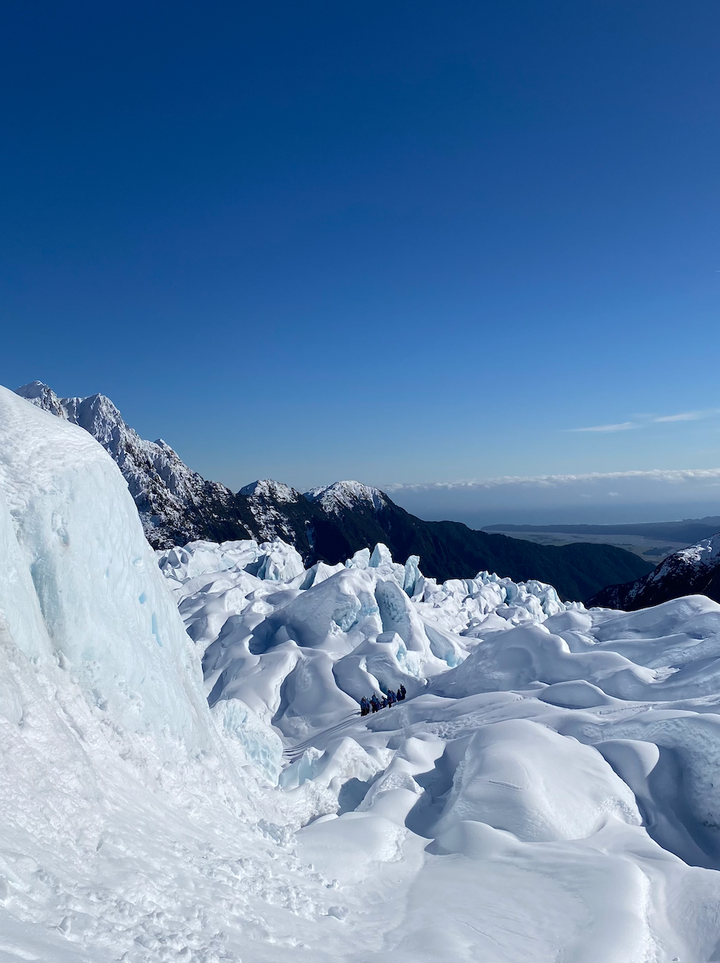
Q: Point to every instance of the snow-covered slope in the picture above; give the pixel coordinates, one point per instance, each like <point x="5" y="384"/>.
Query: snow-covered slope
<point x="693" y="570"/>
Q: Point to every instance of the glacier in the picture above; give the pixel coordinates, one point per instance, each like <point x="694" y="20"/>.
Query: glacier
<point x="186" y="776"/>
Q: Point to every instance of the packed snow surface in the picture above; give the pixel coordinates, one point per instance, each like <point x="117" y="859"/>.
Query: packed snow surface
<point x="546" y="792"/>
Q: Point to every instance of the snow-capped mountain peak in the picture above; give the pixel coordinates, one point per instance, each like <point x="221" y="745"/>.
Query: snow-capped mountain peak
<point x="42" y="397"/>
<point x="347" y="494"/>
<point x="704" y="552"/>
<point x="268" y="488"/>
<point x="160" y="482"/>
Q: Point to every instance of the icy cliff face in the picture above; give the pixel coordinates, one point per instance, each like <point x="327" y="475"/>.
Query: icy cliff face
<point x="693" y="570"/>
<point x="126" y="809"/>
<point x="98" y="607"/>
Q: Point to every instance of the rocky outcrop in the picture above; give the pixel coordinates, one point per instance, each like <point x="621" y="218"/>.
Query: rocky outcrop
<point x="691" y="571"/>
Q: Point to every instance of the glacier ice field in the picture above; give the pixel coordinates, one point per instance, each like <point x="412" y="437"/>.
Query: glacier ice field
<point x="185" y="775"/>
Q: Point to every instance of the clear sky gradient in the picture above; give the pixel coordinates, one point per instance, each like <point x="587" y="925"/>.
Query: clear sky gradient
<point x="405" y="242"/>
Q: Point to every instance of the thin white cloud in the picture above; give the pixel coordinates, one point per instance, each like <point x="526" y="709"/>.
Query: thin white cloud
<point x="623" y="426"/>
<point x="704" y="476"/>
<point x="688" y="415"/>
<point x="644" y="420"/>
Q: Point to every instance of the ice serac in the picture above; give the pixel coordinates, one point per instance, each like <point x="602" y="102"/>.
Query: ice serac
<point x="301" y="647"/>
<point x="95" y="602"/>
<point x="693" y="570"/>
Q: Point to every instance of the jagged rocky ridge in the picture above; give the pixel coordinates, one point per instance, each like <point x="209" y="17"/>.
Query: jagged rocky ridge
<point x="330" y="524"/>
<point x="691" y="571"/>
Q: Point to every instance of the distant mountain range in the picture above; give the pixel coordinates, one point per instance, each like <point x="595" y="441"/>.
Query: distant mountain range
<point x="177" y="505"/>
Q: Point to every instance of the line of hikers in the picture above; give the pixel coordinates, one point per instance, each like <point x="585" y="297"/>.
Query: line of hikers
<point x="373" y="704"/>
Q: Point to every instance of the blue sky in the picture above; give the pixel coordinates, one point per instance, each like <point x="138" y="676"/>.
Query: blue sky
<point x="407" y="242"/>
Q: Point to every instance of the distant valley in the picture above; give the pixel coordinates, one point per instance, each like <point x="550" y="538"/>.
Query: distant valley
<point x="651" y="541"/>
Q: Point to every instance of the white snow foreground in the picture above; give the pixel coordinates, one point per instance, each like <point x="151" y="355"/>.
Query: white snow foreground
<point x="546" y="792"/>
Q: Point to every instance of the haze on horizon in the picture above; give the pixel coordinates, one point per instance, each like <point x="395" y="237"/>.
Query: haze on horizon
<point x="411" y="244"/>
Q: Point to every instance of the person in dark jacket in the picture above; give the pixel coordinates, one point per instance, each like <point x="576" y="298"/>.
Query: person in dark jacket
<point x="374" y="703"/>
<point x="401" y="692"/>
<point x="391" y="700"/>
<point x="364" y="706"/>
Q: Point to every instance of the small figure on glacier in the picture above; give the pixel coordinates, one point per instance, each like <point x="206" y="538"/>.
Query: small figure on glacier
<point x="364" y="706"/>
<point x="375" y="703"/>
<point x="401" y="692"/>
<point x="391" y="700"/>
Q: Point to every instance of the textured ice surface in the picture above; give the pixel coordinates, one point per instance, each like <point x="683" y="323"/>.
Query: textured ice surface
<point x="81" y="563"/>
<point x="573" y="754"/>
<point x="548" y="790"/>
<point x="303" y="652"/>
